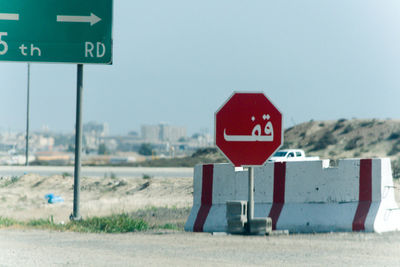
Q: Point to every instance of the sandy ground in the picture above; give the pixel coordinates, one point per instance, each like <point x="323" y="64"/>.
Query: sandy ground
<point x="23" y="198"/>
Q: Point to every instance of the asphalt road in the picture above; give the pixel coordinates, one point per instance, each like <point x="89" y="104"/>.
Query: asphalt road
<point x="44" y="248"/>
<point x="121" y="172"/>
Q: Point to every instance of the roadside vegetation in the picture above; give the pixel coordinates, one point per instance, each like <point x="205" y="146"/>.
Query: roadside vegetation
<point x="150" y="219"/>
<point x="201" y="156"/>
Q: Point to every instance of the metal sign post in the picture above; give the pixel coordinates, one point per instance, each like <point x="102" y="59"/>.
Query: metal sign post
<point x="27" y="116"/>
<point x="250" y="207"/>
<point x="78" y="144"/>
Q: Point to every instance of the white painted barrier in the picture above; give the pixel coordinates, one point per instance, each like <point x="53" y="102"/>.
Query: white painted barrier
<point x="309" y="196"/>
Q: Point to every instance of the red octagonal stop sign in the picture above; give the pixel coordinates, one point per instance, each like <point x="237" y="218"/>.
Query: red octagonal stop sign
<point x="248" y="129"/>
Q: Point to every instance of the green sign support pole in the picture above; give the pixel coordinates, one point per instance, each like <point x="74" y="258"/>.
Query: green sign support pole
<point x="27" y="115"/>
<point x="62" y="31"/>
<point x="75" y="216"/>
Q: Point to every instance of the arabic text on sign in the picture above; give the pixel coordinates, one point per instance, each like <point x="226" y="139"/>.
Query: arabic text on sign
<point x="256" y="134"/>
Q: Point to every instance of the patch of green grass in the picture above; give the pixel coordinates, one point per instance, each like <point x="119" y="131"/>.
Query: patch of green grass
<point x="43" y="224"/>
<point x="6" y="222"/>
<point x="39" y="223"/>
<point x="171" y="226"/>
<point x="121" y="223"/>
<point x="111" y="224"/>
<point x="152" y="218"/>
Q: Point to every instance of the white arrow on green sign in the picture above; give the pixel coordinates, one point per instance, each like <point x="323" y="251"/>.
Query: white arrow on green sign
<point x="68" y="31"/>
<point x="6" y="16"/>
<point x="92" y="19"/>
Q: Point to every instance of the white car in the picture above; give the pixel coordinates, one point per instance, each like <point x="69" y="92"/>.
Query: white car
<point x="290" y="155"/>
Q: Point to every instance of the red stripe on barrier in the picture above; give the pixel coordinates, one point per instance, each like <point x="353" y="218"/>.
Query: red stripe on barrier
<point x="279" y="192"/>
<point x="206" y="197"/>
<point x="365" y="195"/>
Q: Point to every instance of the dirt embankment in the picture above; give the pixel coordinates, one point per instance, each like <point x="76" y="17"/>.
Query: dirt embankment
<point x="23" y="198"/>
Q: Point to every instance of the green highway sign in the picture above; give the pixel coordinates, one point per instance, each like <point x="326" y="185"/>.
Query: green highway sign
<point x="68" y="31"/>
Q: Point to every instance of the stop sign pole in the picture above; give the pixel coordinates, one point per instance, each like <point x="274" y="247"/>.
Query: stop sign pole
<point x="250" y="206"/>
<point x="248" y="130"/>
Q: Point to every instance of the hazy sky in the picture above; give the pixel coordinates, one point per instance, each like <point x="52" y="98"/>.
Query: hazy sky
<point x="178" y="61"/>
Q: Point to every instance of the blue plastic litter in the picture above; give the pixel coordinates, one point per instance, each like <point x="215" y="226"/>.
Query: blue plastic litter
<point x="51" y="198"/>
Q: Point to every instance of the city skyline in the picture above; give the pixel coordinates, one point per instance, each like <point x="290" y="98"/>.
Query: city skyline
<point x="46" y="128"/>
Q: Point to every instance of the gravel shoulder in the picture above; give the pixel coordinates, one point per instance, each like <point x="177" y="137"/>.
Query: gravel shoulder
<point x="37" y="248"/>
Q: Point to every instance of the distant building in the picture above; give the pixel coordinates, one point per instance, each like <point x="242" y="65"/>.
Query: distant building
<point x="162" y="133"/>
<point x="96" y="129"/>
<point x="170" y="133"/>
<point x="150" y="133"/>
<point x="92" y="132"/>
<point x="41" y="143"/>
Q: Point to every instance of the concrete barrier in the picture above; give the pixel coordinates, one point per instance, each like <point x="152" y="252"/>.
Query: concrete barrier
<point x="309" y="196"/>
